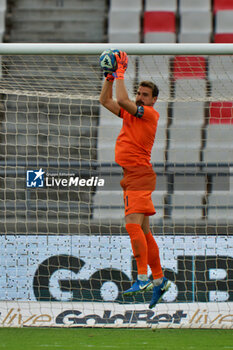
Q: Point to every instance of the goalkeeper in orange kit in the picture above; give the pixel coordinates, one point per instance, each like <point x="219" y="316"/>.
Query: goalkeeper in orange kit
<point x="133" y="154"/>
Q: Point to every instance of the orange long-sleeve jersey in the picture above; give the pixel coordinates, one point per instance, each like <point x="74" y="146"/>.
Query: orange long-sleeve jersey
<point x="136" y="138"/>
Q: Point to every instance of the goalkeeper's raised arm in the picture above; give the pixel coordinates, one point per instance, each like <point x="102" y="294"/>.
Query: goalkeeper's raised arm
<point x="146" y="95"/>
<point x="122" y="100"/>
<point x="121" y="92"/>
<point x="106" y="98"/>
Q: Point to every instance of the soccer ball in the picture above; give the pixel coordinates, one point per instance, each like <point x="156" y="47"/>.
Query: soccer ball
<point x="108" y="61"/>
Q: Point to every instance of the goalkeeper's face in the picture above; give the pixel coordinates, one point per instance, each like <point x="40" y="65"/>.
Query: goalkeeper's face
<point x="144" y="96"/>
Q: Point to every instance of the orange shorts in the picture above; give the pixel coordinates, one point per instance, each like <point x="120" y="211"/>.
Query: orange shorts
<point x="138" y="202"/>
<point x="138" y="184"/>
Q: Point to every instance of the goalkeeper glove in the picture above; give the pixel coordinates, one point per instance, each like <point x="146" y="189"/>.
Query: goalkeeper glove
<point x="122" y="63"/>
<point x="109" y="77"/>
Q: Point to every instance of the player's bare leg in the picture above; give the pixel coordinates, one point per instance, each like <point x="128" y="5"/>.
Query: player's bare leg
<point x="146" y="225"/>
<point x="136" y="218"/>
<point x="140" y="251"/>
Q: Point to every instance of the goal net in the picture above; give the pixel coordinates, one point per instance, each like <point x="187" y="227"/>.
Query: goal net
<point x="65" y="255"/>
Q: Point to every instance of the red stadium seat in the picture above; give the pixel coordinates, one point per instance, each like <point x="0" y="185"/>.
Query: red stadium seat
<point x="225" y="38"/>
<point x="221" y="113"/>
<point x="189" y="67"/>
<point x="156" y="21"/>
<point x="222" y="5"/>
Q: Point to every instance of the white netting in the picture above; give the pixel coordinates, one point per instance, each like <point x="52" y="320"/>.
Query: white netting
<point x="65" y="241"/>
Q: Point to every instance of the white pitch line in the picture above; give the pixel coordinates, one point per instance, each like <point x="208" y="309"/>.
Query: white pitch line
<point x="52" y="345"/>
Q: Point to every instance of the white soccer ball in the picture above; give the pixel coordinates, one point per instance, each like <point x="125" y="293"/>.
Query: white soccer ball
<point x="108" y="61"/>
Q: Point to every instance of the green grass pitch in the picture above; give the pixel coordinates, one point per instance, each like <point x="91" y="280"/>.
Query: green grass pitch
<point x="93" y="338"/>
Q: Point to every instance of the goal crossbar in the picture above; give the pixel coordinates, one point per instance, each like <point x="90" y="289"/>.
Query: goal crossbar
<point x="131" y="49"/>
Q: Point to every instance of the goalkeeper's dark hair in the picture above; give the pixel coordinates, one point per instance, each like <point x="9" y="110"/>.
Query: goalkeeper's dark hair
<point x="152" y="86"/>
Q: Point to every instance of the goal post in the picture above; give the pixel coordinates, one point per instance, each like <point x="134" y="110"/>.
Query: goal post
<point x="131" y="49"/>
<point x="65" y="254"/>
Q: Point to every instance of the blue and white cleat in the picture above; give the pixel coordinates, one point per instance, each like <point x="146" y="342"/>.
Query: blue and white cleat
<point x="159" y="291"/>
<point x="139" y="287"/>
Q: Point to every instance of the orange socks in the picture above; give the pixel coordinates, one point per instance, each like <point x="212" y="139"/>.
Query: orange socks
<point x="153" y="256"/>
<point x="145" y="250"/>
<point x="139" y="246"/>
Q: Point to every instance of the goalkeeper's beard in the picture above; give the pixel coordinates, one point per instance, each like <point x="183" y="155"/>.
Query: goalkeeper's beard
<point x="139" y="103"/>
